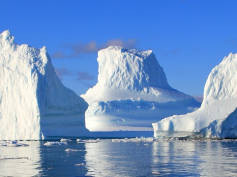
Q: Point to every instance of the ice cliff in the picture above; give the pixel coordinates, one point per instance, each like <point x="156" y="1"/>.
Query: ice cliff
<point x="217" y="117"/>
<point x="132" y="92"/>
<point x="34" y="104"/>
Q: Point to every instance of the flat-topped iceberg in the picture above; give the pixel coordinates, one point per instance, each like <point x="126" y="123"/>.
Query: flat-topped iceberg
<point x="34" y="104"/>
<point x="132" y="92"/>
<point x="217" y="116"/>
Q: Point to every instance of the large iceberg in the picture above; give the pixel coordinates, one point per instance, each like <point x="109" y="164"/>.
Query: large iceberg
<point x="132" y="92"/>
<point x="34" y="104"/>
<point x="217" y="116"/>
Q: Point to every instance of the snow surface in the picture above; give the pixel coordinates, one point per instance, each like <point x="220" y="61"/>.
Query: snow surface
<point x="34" y="104"/>
<point x="132" y="92"/>
<point x="217" y="116"/>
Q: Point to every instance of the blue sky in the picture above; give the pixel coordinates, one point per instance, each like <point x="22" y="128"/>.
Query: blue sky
<point x="188" y="37"/>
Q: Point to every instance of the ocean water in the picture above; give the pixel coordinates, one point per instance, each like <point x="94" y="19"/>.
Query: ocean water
<point x="122" y="158"/>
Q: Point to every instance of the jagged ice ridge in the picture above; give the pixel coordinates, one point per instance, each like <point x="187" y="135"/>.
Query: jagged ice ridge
<point x="34" y="104"/>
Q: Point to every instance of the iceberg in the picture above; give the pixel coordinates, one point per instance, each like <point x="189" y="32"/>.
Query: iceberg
<point x="34" y="104"/>
<point x="217" y="116"/>
<point x="132" y="92"/>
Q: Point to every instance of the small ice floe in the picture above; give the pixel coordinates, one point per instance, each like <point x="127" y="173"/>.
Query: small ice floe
<point x="7" y="158"/>
<point x="13" y="144"/>
<point x="88" y="141"/>
<point x="73" y="150"/>
<point x="55" y="143"/>
<point x="80" y="164"/>
<point x="155" y="173"/>
<point x="80" y="141"/>
<point x="135" y="140"/>
<point x="3" y="144"/>
<point x="91" y="141"/>
<point x="65" y="140"/>
<point x="146" y="144"/>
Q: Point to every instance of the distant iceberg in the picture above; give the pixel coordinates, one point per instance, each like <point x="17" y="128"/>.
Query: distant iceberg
<point x="217" y="117"/>
<point x="132" y="92"/>
<point x="34" y="104"/>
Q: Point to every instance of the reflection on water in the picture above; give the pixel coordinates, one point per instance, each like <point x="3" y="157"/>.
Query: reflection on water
<point x="219" y="158"/>
<point x="55" y="161"/>
<point x="170" y="158"/>
<point x="107" y="158"/>
<point x="205" y="158"/>
<point x="20" y="167"/>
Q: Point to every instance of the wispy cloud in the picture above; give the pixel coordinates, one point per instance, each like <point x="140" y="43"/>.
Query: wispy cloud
<point x="58" y="55"/>
<point x="84" y="76"/>
<point x="92" y="47"/>
<point x="129" y="44"/>
<point x="62" y="72"/>
<point x="80" y="75"/>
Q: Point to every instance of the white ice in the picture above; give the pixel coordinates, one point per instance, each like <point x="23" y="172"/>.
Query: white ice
<point x="217" y="116"/>
<point x="65" y="140"/>
<point x="34" y="104"/>
<point x="88" y="141"/>
<point x="132" y="92"/>
<point x="13" y="144"/>
<point x="73" y="150"/>
<point x="50" y="143"/>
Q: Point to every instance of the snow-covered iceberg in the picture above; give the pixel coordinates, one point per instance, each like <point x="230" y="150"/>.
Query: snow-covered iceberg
<point x="132" y="92"/>
<point x="217" y="116"/>
<point x="34" y="104"/>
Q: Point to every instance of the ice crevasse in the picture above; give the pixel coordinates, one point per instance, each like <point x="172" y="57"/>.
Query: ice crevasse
<point x="34" y="104"/>
<point x="217" y="116"/>
<point x="132" y="92"/>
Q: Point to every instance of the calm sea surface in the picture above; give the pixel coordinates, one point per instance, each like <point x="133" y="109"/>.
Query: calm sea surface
<point x="107" y="158"/>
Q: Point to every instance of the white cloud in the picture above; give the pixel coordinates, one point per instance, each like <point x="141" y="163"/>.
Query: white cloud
<point x="92" y="47"/>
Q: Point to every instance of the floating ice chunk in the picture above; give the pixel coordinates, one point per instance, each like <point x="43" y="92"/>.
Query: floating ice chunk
<point x="135" y="140"/>
<point x="91" y="141"/>
<point x="13" y="144"/>
<point x="3" y="144"/>
<point x="65" y="140"/>
<point x="80" y="141"/>
<point x="88" y="141"/>
<point x="80" y="164"/>
<point x="55" y="143"/>
<point x="73" y="150"/>
<point x="24" y="145"/>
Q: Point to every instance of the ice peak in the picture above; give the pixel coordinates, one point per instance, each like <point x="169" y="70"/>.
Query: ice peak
<point x="6" y="36"/>
<point x="33" y="102"/>
<point x="44" y="49"/>
<point x="123" y="69"/>
<point x="221" y="83"/>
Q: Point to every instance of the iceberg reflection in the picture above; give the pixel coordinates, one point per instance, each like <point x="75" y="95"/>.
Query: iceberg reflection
<point x="20" y="161"/>
<point x="195" y="158"/>
<point x="124" y="157"/>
